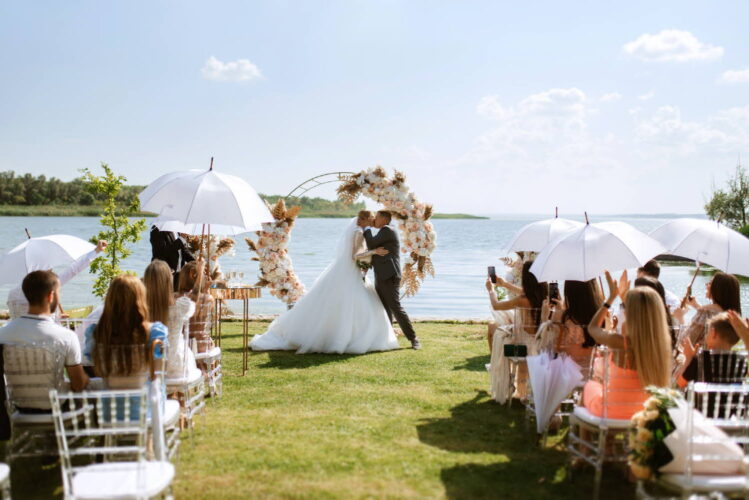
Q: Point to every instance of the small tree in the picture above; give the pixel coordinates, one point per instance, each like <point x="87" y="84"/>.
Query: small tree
<point x="731" y="204"/>
<point x="120" y="230"/>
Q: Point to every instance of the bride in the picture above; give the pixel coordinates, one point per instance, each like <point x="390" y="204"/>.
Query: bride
<point x="341" y="313"/>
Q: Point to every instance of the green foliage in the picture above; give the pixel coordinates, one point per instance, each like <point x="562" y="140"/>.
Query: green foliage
<point x="116" y="218"/>
<point x="731" y="204"/>
<point x="26" y="189"/>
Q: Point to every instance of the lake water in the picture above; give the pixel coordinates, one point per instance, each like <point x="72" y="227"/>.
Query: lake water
<point x="465" y="249"/>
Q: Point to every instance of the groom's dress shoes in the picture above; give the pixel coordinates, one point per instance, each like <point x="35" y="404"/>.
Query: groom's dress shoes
<point x="416" y="344"/>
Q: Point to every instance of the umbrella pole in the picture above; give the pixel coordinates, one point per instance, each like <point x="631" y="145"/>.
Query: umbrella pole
<point x="689" y="288"/>
<point x="200" y="256"/>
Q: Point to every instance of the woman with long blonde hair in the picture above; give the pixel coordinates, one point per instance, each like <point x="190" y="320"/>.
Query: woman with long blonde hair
<point x="119" y="344"/>
<point x="641" y="354"/>
<point x="175" y="313"/>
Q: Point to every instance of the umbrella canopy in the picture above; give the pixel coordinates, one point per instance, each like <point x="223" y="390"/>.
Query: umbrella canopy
<point x="706" y="241"/>
<point x="206" y="197"/>
<point x="197" y="229"/>
<point x="584" y="253"/>
<point x="536" y="235"/>
<point x="46" y="252"/>
<point x="552" y="380"/>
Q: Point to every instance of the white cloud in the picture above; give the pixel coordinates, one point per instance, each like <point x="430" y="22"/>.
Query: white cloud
<point x="735" y="76"/>
<point x="610" y="97"/>
<point x="672" y="45"/>
<point x="241" y="70"/>
<point x="646" y="96"/>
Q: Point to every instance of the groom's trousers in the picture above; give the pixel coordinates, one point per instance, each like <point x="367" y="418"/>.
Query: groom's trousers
<point x="389" y="292"/>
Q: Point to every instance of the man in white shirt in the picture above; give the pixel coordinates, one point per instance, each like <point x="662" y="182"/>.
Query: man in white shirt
<point x="17" y="303"/>
<point x="653" y="270"/>
<point x="42" y="292"/>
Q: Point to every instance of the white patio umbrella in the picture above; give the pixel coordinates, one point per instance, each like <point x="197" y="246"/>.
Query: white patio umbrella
<point x="584" y="253"/>
<point x="536" y="235"/>
<point x="552" y="380"/>
<point x="205" y="197"/>
<point x="45" y="252"/>
<point x="197" y="229"/>
<point x="706" y="241"/>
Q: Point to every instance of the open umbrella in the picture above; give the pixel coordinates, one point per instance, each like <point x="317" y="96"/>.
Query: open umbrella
<point x="196" y="229"/>
<point x="45" y="252"/>
<point x="706" y="241"/>
<point x="536" y="235"/>
<point x="552" y="380"/>
<point x="584" y="253"/>
<point x="206" y="197"/>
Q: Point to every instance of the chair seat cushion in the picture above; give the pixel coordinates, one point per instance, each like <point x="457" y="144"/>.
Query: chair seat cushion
<point x="121" y="480"/>
<point x="705" y="483"/>
<point x="193" y="377"/>
<point x="213" y="353"/>
<point x="586" y="416"/>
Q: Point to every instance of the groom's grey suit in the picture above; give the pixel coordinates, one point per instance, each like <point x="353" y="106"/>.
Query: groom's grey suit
<point x="387" y="271"/>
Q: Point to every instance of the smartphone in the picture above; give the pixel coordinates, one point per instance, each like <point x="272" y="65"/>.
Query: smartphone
<point x="492" y="274"/>
<point x="554" y="290"/>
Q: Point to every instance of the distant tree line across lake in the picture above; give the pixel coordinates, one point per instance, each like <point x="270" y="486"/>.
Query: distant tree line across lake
<point x="26" y="194"/>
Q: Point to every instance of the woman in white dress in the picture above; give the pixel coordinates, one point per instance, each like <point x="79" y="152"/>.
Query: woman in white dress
<point x="174" y="312"/>
<point x="340" y="314"/>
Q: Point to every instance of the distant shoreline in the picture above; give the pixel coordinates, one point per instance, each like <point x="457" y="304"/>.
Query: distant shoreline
<point x="95" y="211"/>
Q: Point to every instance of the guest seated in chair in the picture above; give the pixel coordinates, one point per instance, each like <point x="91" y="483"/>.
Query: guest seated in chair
<point x="119" y="345"/>
<point x="41" y="291"/>
<point x="200" y="323"/>
<point x="725" y="367"/>
<point x="723" y="291"/>
<point x="530" y="300"/>
<point x="568" y="332"/>
<point x="645" y="348"/>
<point x="173" y="311"/>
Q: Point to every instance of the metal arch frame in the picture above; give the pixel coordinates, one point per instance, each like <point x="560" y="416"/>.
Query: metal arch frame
<point x="316" y="181"/>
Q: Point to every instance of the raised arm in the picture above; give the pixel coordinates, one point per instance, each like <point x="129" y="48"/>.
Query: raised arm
<point x="81" y="263"/>
<point x="595" y="327"/>
<point x="356" y="254"/>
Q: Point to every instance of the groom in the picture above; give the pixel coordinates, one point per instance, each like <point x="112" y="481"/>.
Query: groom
<point x="387" y="270"/>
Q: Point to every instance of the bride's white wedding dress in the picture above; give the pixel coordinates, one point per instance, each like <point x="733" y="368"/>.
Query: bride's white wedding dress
<point x="340" y="314"/>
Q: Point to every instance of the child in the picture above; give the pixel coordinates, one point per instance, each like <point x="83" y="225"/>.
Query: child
<point x="716" y="368"/>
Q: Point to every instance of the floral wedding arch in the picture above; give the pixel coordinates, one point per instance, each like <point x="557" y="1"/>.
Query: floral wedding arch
<point x="418" y="238"/>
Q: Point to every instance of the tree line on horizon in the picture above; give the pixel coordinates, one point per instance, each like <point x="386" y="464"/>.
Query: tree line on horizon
<point x="30" y="190"/>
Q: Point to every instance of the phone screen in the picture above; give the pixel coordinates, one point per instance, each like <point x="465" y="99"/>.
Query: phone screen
<point x="492" y="274"/>
<point x="554" y="290"/>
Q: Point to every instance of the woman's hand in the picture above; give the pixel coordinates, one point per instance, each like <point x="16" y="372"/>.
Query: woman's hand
<point x="740" y="325"/>
<point x="559" y="308"/>
<point x="613" y="288"/>
<point x="381" y="252"/>
<point x="623" y="285"/>
<point x="501" y="282"/>
<point x="489" y="285"/>
<point x="687" y="348"/>
<point x="692" y="302"/>
<point x="101" y="246"/>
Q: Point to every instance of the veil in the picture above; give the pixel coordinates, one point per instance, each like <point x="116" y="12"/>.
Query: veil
<point x="342" y="260"/>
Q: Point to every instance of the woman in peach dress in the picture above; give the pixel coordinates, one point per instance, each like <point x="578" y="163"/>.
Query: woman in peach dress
<point x="640" y="356"/>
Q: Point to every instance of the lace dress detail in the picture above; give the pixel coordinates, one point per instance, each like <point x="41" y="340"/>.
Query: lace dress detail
<point x="698" y="327"/>
<point x="180" y="361"/>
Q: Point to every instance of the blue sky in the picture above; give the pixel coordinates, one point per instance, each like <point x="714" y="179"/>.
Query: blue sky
<point x="489" y="107"/>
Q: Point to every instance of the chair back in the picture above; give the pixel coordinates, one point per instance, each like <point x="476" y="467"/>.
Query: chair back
<point x="201" y="323"/>
<point x="110" y="424"/>
<point x="719" y="448"/>
<point x="31" y="371"/>
<point x="722" y="367"/>
<point x="622" y="392"/>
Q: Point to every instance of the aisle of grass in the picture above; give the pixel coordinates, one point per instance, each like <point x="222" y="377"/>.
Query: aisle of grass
<point x="398" y="424"/>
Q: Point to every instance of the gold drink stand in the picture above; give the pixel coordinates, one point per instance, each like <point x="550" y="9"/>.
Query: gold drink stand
<point x="245" y="294"/>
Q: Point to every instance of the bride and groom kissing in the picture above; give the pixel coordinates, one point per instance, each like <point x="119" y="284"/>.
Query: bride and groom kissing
<point x="342" y="313"/>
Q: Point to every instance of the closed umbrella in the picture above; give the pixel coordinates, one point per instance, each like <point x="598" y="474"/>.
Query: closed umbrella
<point x="706" y="241"/>
<point x="552" y="381"/>
<point x="45" y="252"/>
<point x="584" y="253"/>
<point x="536" y="235"/>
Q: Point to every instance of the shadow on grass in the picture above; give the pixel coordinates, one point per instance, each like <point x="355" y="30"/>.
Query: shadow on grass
<point x="285" y="360"/>
<point x="474" y="364"/>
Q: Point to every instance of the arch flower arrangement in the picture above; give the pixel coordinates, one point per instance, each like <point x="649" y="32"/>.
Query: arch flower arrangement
<point x="419" y="239"/>
<point x="276" y="268"/>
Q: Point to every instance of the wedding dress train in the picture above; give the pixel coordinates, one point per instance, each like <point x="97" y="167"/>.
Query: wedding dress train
<point x="341" y="313"/>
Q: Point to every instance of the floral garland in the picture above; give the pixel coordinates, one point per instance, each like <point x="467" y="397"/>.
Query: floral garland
<point x="419" y="238"/>
<point x="276" y="269"/>
<point x="648" y="452"/>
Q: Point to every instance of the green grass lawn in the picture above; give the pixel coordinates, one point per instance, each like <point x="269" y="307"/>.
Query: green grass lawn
<point x="400" y="424"/>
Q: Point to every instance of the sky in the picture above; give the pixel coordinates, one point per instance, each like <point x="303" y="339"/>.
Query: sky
<point x="488" y="107"/>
